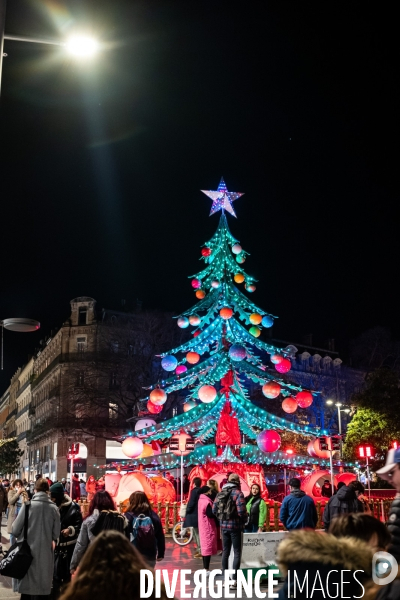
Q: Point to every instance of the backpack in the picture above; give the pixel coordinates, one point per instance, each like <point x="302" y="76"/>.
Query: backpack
<point x="143" y="536"/>
<point x="226" y="506"/>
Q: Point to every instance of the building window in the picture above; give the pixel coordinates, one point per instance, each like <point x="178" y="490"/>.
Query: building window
<point x="80" y="378"/>
<point x="113" y="411"/>
<point x="81" y="344"/>
<point x="82" y="315"/>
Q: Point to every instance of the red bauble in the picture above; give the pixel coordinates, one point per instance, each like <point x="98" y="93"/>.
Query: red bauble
<point x="196" y="333"/>
<point x="226" y="313"/>
<point x="206" y="251"/>
<point x="304" y="399"/>
<point x="158" y="397"/>
<point x="284" y="366"/>
<point x="271" y="389"/>
<point x="153" y="408"/>
<point x="289" y="405"/>
<point x="196" y="284"/>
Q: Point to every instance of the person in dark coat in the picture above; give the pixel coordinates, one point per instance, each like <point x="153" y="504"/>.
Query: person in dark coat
<point x="186" y="485"/>
<point x="75" y="488"/>
<point x="326" y="489"/>
<point x="192" y="518"/>
<point x="139" y="504"/>
<point x="3" y="504"/>
<point x="298" y="510"/>
<point x="71" y="523"/>
<point x="345" y="501"/>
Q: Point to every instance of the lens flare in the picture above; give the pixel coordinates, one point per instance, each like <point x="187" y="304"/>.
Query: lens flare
<point x="82" y="46"/>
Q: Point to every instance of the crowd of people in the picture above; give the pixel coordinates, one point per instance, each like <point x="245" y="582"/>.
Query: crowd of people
<point x="76" y="558"/>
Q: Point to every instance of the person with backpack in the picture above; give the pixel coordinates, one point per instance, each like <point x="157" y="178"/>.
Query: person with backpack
<point x="145" y="529"/>
<point x="230" y="509"/>
<point x="101" y="515"/>
<point x="192" y="518"/>
<point x="257" y="510"/>
<point x="298" y="510"/>
<point x="71" y="523"/>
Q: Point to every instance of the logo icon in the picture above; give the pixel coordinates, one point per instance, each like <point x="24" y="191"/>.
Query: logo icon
<point x="384" y="568"/>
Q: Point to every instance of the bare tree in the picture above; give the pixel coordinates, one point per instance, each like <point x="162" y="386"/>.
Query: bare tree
<point x="375" y="349"/>
<point x="104" y="388"/>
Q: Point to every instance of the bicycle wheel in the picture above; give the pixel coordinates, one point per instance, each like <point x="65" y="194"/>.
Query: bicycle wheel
<point x="182" y="535"/>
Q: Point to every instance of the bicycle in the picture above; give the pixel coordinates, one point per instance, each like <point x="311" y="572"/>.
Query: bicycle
<point x="180" y="534"/>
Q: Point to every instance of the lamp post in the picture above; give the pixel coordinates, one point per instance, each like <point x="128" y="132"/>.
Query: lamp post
<point x="339" y="417"/>
<point x="81" y="46"/>
<point x="17" y="324"/>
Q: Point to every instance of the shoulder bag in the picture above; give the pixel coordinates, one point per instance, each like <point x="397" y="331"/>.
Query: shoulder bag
<point x="18" y="558"/>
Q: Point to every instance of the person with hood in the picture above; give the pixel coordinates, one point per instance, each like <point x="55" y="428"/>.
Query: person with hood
<point x="208" y="531"/>
<point x="191" y="518"/>
<point x="326" y="489"/>
<point x="298" y="510"/>
<point x="71" y="523"/>
<point x="257" y="510"/>
<point x="230" y="509"/>
<point x="345" y="501"/>
<point x="327" y="566"/>
<point x="43" y="530"/>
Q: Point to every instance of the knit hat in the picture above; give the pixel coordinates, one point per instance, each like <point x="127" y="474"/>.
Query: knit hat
<point x="57" y="491"/>
<point x="233" y="478"/>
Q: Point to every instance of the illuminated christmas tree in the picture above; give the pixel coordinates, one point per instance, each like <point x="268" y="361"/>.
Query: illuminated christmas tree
<point x="224" y="354"/>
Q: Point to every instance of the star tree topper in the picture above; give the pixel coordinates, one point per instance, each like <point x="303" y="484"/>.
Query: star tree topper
<point x="222" y="199"/>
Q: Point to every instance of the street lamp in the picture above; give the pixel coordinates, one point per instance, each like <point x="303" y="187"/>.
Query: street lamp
<point x="80" y="46"/>
<point x="17" y="324"/>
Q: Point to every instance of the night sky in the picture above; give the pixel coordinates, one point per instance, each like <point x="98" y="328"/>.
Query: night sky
<point x="102" y="162"/>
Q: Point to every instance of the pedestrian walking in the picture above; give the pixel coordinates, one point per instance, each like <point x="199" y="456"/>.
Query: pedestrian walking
<point x="43" y="530"/>
<point x="16" y="498"/>
<point x="257" y="510"/>
<point x="83" y="492"/>
<point x="345" y="501"/>
<point x="101" y="507"/>
<point x="298" y="510"/>
<point x="191" y="518"/>
<point x="110" y="569"/>
<point x="71" y="523"/>
<point x="230" y="509"/>
<point x="75" y="488"/>
<point x="90" y="488"/>
<point x="145" y="528"/>
<point x="208" y="532"/>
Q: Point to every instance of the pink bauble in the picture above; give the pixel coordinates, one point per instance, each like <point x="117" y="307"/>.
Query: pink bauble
<point x="269" y="440"/>
<point x="183" y="322"/>
<point x="158" y="397"/>
<point x="310" y="449"/>
<point x="132" y="447"/>
<point x="289" y="405"/>
<point x="250" y="288"/>
<point x="276" y="359"/>
<point x="180" y="369"/>
<point x="304" y="399"/>
<point x="154" y="409"/>
<point x="215" y="283"/>
<point x="271" y="389"/>
<point x="236" y="249"/>
<point x="196" y="284"/>
<point x="207" y="393"/>
<point x="284" y="366"/>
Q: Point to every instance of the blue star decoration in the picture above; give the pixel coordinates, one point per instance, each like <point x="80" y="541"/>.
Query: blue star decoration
<point x="222" y="199"/>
